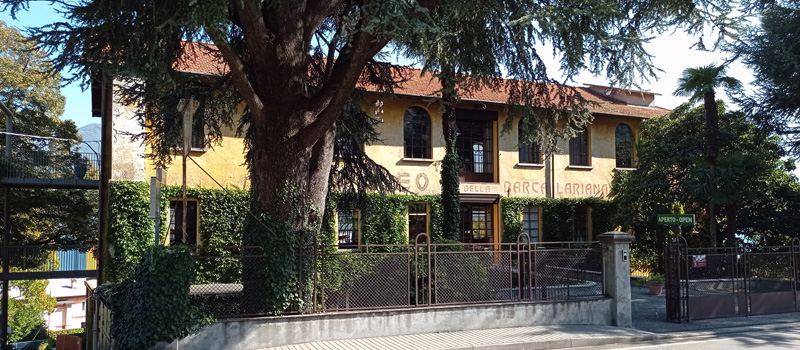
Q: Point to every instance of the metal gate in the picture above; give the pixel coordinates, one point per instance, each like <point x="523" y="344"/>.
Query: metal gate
<point x="730" y="281"/>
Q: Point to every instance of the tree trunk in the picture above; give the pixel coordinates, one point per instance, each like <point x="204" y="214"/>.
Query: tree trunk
<point x="288" y="194"/>
<point x="712" y="152"/>
<point x="451" y="203"/>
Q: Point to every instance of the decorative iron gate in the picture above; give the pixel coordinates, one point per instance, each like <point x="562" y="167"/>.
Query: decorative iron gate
<point x="730" y="281"/>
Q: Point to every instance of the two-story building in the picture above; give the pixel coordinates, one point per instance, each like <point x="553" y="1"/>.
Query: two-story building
<point x="495" y="163"/>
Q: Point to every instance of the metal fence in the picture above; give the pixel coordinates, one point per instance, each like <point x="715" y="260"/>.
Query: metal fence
<point x="47" y="164"/>
<point x="731" y="281"/>
<point x="50" y="258"/>
<point x="402" y="276"/>
<point x="98" y="322"/>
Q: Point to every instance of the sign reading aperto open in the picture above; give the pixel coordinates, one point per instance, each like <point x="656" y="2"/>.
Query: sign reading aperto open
<point x="676" y="219"/>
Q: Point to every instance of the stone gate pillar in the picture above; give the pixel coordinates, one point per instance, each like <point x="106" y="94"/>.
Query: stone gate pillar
<point x="617" y="275"/>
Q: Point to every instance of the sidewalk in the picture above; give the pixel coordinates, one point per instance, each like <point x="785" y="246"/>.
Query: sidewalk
<point x="648" y="321"/>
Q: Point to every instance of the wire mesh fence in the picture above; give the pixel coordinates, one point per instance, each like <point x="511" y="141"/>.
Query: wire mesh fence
<point x="230" y="281"/>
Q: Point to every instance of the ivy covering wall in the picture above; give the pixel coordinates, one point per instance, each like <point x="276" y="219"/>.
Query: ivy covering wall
<point x="131" y="231"/>
<point x="558" y="217"/>
<point x="384" y="218"/>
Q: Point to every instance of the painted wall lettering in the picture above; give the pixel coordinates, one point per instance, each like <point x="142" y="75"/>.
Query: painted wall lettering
<point x="404" y="178"/>
<point x="535" y="188"/>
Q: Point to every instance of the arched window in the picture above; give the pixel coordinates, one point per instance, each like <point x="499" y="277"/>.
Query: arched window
<point x="417" y="133"/>
<point x="623" y="139"/>
<point x="529" y="152"/>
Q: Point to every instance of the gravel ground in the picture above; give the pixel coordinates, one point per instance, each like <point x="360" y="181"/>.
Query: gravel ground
<point x="649" y="314"/>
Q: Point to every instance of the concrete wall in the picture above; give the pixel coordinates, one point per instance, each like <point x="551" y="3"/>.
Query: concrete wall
<point x="277" y="331"/>
<point x="128" y="155"/>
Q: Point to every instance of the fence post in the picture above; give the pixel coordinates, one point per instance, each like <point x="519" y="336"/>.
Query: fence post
<point x="617" y="275"/>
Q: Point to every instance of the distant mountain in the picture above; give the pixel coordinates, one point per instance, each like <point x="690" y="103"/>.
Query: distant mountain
<point x="91" y="135"/>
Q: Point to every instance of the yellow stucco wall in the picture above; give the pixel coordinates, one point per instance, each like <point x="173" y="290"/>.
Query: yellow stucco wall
<point x="512" y="179"/>
<point x="225" y="162"/>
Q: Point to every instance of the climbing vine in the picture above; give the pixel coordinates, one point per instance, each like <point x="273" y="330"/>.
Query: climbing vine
<point x="558" y="216"/>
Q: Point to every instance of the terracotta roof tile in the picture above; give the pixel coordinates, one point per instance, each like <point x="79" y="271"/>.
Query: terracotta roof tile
<point x="204" y="59"/>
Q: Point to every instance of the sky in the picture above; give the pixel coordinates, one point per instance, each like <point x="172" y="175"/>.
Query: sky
<point x="671" y="53"/>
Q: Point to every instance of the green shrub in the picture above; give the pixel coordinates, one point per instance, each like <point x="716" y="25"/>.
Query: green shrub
<point x="153" y="304"/>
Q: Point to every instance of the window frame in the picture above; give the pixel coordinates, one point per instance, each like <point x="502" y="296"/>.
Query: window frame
<point x="427" y="149"/>
<point x="172" y="220"/>
<point x="530" y="153"/>
<point x="470" y="148"/>
<point x="468" y="222"/>
<point x="355" y="237"/>
<point x="632" y="146"/>
<point x="581" y="157"/>
<point x="581" y="220"/>
<point x="538" y="228"/>
<point x="411" y="235"/>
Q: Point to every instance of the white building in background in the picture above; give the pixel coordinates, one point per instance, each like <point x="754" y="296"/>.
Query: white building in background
<point x="70" y="312"/>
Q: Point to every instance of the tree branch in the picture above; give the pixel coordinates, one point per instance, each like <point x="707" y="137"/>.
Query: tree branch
<point x="327" y="104"/>
<point x="238" y="73"/>
<point x="255" y="32"/>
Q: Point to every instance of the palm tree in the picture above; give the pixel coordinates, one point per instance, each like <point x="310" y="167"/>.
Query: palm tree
<point x="699" y="83"/>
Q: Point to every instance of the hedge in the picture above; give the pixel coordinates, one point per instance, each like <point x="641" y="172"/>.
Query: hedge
<point x="383" y="221"/>
<point x="558" y="217"/>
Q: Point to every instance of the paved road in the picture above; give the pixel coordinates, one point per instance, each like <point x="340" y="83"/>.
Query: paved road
<point x="769" y="339"/>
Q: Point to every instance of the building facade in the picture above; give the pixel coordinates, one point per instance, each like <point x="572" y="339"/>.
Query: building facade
<point x="495" y="163"/>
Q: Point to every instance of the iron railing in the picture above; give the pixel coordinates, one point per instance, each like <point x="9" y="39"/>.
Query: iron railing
<point x="51" y="164"/>
<point x="741" y="280"/>
<point x="50" y="258"/>
<point x="401" y="276"/>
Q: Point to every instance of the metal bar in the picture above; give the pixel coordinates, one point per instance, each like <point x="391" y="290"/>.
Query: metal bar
<point x="106" y="158"/>
<point x="6" y="265"/>
<point x="43" y="275"/>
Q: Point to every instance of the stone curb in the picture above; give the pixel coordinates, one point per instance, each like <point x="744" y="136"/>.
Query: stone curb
<point x="585" y="342"/>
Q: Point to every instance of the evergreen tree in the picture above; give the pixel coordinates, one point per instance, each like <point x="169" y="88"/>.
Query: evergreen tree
<point x="772" y="51"/>
<point x="294" y="65"/>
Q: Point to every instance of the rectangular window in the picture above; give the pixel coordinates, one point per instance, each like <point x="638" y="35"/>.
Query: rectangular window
<point x="581" y="224"/>
<point x="417" y="220"/>
<point x="347" y="227"/>
<point x="530" y="153"/>
<point x="530" y="222"/>
<point x="198" y="136"/>
<point x="579" y="149"/>
<point x="476" y="223"/>
<point x="176" y="233"/>
<point x="475" y="147"/>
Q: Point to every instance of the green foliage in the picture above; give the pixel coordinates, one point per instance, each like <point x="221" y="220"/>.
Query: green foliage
<point x="770" y="49"/>
<point x="130" y="230"/>
<point x="672" y="169"/>
<point x="383" y="217"/>
<point x="558" y="217"/>
<point x="41" y="216"/>
<point x="451" y="202"/>
<point x="153" y="304"/>
<point x="52" y="337"/>
<point x="655" y="278"/>
<point x="25" y="314"/>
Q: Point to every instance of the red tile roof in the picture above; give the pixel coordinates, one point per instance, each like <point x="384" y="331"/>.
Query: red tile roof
<point x="204" y="59"/>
